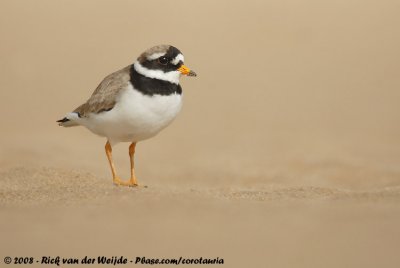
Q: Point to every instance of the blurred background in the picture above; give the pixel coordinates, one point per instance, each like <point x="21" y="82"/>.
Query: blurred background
<point x="286" y="152"/>
<point x="282" y="85"/>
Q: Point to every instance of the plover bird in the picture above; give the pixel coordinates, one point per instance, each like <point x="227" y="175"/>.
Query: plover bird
<point x="134" y="103"/>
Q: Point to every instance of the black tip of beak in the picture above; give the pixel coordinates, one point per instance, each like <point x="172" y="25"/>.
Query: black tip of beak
<point x="191" y="73"/>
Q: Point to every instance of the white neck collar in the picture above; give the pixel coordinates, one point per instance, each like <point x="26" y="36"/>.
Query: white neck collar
<point x="172" y="76"/>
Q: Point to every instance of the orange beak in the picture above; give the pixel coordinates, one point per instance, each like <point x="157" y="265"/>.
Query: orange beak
<point x="186" y="71"/>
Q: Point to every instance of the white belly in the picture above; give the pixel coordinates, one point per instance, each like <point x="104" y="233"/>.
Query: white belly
<point x="135" y="116"/>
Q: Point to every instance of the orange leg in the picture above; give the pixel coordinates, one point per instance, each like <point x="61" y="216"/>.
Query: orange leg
<point x="116" y="180"/>
<point x="133" y="180"/>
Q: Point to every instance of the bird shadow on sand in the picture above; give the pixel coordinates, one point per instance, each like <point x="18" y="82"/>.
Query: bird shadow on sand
<point x="41" y="186"/>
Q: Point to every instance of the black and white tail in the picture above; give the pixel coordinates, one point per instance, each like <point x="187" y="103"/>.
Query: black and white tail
<point x="69" y="120"/>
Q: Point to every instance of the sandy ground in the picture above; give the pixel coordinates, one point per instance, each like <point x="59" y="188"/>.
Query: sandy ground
<point x="286" y="152"/>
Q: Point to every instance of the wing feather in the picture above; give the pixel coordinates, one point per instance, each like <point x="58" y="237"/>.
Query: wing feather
<point x="104" y="96"/>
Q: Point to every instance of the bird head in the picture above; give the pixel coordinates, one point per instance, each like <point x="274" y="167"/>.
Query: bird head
<point x="163" y="62"/>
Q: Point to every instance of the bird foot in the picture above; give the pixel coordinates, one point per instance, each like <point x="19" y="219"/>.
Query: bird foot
<point x="131" y="183"/>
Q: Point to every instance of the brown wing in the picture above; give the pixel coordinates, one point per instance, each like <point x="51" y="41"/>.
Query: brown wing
<point x="104" y="96"/>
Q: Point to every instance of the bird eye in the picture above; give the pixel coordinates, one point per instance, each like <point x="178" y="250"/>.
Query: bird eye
<point x="163" y="60"/>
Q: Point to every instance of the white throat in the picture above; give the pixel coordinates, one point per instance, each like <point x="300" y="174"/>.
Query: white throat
<point x="172" y="76"/>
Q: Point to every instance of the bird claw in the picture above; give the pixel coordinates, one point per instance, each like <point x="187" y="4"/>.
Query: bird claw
<point x="118" y="182"/>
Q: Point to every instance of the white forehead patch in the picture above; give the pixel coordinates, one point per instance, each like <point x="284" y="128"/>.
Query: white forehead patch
<point x="178" y="59"/>
<point x="156" y="55"/>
